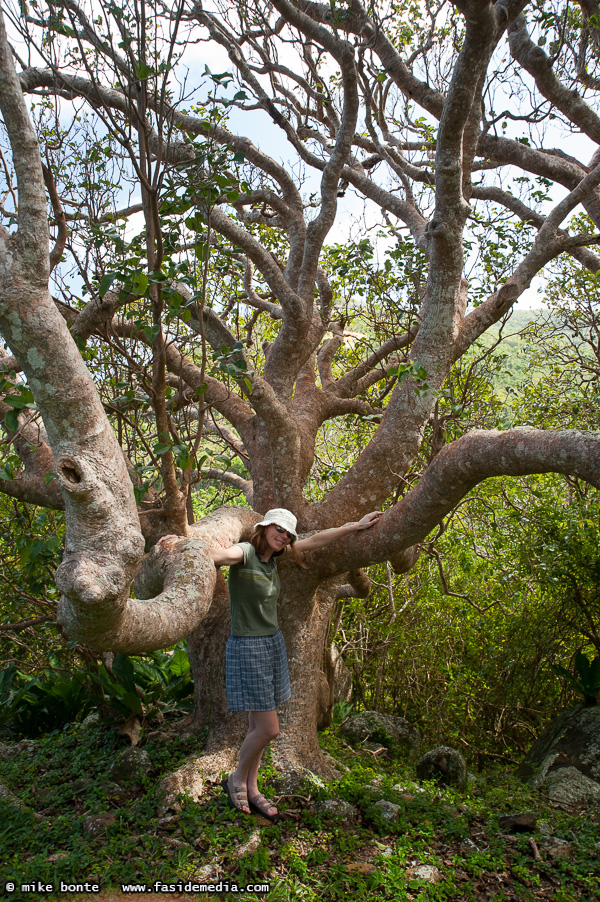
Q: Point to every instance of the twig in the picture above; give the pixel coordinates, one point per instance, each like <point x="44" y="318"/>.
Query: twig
<point x="23" y="624"/>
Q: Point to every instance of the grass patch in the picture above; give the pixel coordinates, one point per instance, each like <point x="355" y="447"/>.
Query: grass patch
<point x="313" y="853"/>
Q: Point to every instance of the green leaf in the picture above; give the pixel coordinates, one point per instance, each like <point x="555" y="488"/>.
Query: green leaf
<point x="122" y="668"/>
<point x="196" y="222"/>
<point x="142" y="70"/>
<point x="151" y="331"/>
<point x="139" y="283"/>
<point x="161" y="448"/>
<point x="179" y="664"/>
<point x="133" y="702"/>
<point x="105" y="282"/>
<point x="11" y="421"/>
<point x="23" y="399"/>
<point x="595" y="676"/>
<point x="184" y="458"/>
<point x="582" y="666"/>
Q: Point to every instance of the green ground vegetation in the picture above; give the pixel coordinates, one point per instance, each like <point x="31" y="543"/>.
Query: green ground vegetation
<point x="310" y="854"/>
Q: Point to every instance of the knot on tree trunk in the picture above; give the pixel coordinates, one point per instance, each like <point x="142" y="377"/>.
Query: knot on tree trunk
<point x="74" y="476"/>
<point x="91" y="580"/>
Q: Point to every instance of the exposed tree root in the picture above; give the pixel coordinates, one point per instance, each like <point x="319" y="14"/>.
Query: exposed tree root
<point x="197" y="776"/>
<point x="201" y="773"/>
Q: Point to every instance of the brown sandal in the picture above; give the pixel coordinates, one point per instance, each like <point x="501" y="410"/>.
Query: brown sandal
<point x="261" y="806"/>
<point x="237" y="798"/>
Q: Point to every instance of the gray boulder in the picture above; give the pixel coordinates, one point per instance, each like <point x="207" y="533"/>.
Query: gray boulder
<point x="335" y="807"/>
<point x="130" y="766"/>
<point x="387" y="810"/>
<point x="396" y="734"/>
<point x="444" y="765"/>
<point x="569" y="788"/>
<point x="565" y="760"/>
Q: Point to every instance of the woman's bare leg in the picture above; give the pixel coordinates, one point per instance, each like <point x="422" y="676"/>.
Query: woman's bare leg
<point x="263" y="727"/>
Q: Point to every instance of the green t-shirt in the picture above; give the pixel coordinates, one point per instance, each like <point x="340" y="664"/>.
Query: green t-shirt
<point x="253" y="593"/>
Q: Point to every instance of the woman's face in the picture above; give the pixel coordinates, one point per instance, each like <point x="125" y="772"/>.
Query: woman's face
<point x="277" y="539"/>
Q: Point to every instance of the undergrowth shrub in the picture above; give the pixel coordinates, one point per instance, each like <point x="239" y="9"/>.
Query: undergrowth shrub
<point x="158" y="683"/>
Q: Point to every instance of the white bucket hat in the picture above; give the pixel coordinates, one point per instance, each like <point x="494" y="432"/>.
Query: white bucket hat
<point x="279" y="516"/>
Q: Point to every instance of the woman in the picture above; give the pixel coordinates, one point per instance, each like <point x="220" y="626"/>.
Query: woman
<point x="257" y="669"/>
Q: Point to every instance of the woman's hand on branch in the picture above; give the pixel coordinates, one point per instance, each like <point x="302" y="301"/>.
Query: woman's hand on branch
<point x="168" y="540"/>
<point x="368" y="520"/>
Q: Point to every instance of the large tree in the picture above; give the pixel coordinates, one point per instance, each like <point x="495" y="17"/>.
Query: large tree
<point x="444" y="120"/>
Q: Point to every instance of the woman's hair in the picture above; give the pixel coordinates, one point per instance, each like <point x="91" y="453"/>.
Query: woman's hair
<point x="259" y="542"/>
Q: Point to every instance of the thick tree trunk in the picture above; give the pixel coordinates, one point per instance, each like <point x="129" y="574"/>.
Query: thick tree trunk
<point x="305" y="610"/>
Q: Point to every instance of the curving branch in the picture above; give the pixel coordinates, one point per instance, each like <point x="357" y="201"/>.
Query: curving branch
<point x="549" y="242"/>
<point x="353" y="382"/>
<point x="526" y="214"/>
<point x="59" y="217"/>
<point x="34" y="483"/>
<point x="458" y="468"/>
<point x="88" y="463"/>
<point x="174" y="588"/>
<point x="232" y="479"/>
<point x="535" y="61"/>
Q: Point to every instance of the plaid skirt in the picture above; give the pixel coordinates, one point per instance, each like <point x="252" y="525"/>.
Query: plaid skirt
<point x="258" y="678"/>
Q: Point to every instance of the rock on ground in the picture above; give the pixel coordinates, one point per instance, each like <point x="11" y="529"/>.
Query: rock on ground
<point x="445" y="765"/>
<point x="130" y="766"/>
<point x="336" y="807"/>
<point x="525" y="822"/>
<point x="425" y="872"/>
<point x="565" y="759"/>
<point x="187" y="780"/>
<point x="396" y="734"/>
<point x="97" y="824"/>
<point x="387" y="810"/>
<point x="569" y="788"/>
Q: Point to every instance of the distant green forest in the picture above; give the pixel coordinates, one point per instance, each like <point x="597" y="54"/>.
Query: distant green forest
<point x="513" y="345"/>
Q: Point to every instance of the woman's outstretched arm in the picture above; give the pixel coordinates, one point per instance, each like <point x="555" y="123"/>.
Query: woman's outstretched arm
<point x="222" y="557"/>
<point x="320" y="539"/>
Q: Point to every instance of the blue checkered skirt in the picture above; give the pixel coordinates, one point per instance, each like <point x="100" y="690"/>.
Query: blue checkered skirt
<point x="258" y="677"/>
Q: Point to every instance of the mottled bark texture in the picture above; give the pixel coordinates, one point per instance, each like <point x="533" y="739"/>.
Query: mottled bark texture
<point x="348" y="132"/>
